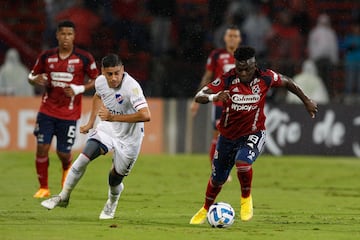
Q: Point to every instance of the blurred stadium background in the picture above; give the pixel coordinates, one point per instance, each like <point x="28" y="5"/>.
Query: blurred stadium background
<point x="165" y="43"/>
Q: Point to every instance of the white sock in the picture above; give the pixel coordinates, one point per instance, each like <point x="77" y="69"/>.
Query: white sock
<point x="115" y="191"/>
<point x="77" y="170"/>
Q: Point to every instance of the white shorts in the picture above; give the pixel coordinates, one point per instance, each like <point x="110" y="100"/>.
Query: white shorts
<point x="125" y="154"/>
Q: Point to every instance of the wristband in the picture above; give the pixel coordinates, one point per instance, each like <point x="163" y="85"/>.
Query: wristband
<point x="211" y="97"/>
<point x="77" y="88"/>
<point x="31" y="77"/>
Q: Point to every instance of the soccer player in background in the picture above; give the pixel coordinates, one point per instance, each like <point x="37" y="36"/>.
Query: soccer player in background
<point x="219" y="62"/>
<point x="61" y="72"/>
<point x="123" y="109"/>
<point x="242" y="91"/>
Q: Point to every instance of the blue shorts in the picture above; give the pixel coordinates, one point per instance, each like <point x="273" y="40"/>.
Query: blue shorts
<point x="65" y="130"/>
<point x="246" y="148"/>
<point x="215" y="115"/>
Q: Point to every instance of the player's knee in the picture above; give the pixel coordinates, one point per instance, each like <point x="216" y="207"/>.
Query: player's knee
<point x="115" y="178"/>
<point x="42" y="150"/>
<point x="94" y="148"/>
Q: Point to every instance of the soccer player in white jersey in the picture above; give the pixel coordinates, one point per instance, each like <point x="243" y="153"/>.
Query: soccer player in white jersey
<point x="122" y="108"/>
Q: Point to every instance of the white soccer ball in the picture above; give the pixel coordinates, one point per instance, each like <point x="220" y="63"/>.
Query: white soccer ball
<point x="221" y="215"/>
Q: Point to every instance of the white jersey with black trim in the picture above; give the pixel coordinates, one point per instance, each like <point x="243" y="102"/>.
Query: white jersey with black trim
<point x="127" y="99"/>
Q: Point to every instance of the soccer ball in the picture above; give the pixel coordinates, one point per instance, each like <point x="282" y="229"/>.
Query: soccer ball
<point x="221" y="215"/>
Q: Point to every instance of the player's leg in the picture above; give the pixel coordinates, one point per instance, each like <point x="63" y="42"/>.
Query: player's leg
<point x="44" y="131"/>
<point x="222" y="165"/>
<point x="248" y="152"/>
<point x="216" y="114"/>
<point x="65" y="132"/>
<point x="124" y="159"/>
<point x="92" y="150"/>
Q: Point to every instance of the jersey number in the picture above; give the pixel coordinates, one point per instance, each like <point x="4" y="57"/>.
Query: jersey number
<point x="71" y="134"/>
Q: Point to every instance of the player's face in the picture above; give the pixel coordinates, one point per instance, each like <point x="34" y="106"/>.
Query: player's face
<point x="65" y="37"/>
<point x="232" y="38"/>
<point x="245" y="70"/>
<point x="113" y="75"/>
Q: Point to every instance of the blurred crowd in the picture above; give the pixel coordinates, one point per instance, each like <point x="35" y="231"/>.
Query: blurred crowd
<point x="165" y="44"/>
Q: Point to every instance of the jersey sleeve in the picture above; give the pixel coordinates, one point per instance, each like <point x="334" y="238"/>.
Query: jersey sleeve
<point x="211" y="62"/>
<point x="39" y="66"/>
<point x="276" y="80"/>
<point x="91" y="69"/>
<point x="217" y="85"/>
<point x="137" y="98"/>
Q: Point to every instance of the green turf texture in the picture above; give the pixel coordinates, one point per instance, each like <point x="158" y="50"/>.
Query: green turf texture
<point x="294" y="198"/>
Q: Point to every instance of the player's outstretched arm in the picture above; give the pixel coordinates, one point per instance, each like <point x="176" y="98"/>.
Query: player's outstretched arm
<point x="207" y="77"/>
<point x="142" y="115"/>
<point x="206" y="95"/>
<point x="291" y="86"/>
<point x="96" y="105"/>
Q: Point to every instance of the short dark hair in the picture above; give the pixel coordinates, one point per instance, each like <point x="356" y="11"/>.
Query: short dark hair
<point x="232" y="27"/>
<point x="111" y="60"/>
<point x="244" y="53"/>
<point x="65" y="23"/>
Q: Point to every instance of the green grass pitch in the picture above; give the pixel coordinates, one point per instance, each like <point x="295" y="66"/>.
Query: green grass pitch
<point x="294" y="198"/>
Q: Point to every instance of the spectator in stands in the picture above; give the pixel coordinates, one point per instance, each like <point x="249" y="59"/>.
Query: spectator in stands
<point x="256" y="28"/>
<point x="285" y="44"/>
<point x="352" y="62"/>
<point x="13" y="76"/>
<point x="160" y="27"/>
<point x="85" y="20"/>
<point x="311" y="83"/>
<point x="323" y="49"/>
<point x="130" y="22"/>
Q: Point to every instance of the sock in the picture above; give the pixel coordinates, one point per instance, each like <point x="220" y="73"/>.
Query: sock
<point x="212" y="149"/>
<point x="76" y="172"/>
<point x="244" y="173"/>
<point x="115" y="191"/>
<point x="42" y="164"/>
<point x="66" y="164"/>
<point x="211" y="193"/>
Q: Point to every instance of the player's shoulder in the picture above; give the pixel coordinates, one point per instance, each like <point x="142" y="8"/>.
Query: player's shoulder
<point x="82" y="54"/>
<point x="100" y="81"/>
<point x="217" y="52"/>
<point x="268" y="75"/>
<point x="229" y="76"/>
<point x="48" y="53"/>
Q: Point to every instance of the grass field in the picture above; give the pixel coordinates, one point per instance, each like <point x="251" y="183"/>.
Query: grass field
<point x="294" y="198"/>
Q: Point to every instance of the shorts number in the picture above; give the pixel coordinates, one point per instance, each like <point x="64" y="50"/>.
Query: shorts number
<point x="71" y="134"/>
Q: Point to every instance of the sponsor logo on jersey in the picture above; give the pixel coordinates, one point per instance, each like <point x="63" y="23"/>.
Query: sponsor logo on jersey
<point x="119" y="98"/>
<point x="245" y="99"/>
<point x="235" y="81"/>
<point x="224" y="55"/>
<point x="236" y="89"/>
<point x="61" y="76"/>
<point x="243" y="107"/>
<point x="276" y="76"/>
<point x="73" y="61"/>
<point x="70" y="68"/>
<point x="55" y="59"/>
<point x="216" y="82"/>
<point x="93" y="66"/>
<point x="135" y="91"/>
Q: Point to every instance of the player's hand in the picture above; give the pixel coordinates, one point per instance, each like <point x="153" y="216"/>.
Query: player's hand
<point x="222" y="96"/>
<point x="194" y="108"/>
<point x="104" y="114"/>
<point x="69" y="92"/>
<point x="85" y="129"/>
<point x="311" y="107"/>
<point x="40" y="79"/>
